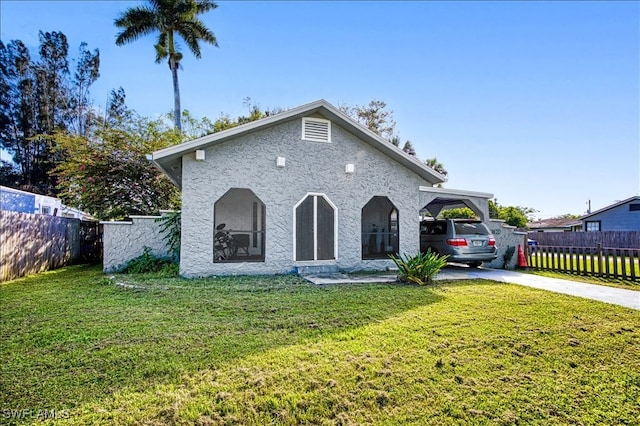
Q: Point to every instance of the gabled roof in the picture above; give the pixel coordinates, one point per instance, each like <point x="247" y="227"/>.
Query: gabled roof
<point x="554" y="223"/>
<point x="169" y="160"/>
<point x="612" y="206"/>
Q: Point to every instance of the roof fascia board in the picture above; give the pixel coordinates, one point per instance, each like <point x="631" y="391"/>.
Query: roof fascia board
<point x="612" y="206"/>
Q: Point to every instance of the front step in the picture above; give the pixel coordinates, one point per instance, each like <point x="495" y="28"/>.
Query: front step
<point x="317" y="269"/>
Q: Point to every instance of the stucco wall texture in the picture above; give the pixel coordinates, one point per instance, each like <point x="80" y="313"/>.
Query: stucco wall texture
<point x="123" y="241"/>
<point x="506" y="236"/>
<point x="249" y="161"/>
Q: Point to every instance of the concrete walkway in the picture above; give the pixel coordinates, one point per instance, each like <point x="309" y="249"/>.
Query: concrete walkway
<point x="616" y="296"/>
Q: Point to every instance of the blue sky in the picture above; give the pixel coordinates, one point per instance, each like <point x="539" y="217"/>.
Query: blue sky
<point x="535" y="102"/>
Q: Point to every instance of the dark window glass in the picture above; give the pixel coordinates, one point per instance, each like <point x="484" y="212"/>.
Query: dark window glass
<point x="304" y="230"/>
<point x="464" y="228"/>
<point x="380" y="229"/>
<point x="239" y="232"/>
<point x="325" y="230"/>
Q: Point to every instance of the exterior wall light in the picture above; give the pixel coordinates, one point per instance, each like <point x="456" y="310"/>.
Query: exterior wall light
<point x="199" y="154"/>
<point x="280" y="162"/>
<point x="350" y="168"/>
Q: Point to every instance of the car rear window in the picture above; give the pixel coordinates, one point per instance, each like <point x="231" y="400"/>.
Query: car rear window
<point x="473" y="228"/>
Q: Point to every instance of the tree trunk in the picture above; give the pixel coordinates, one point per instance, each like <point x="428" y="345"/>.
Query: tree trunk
<point x="176" y="94"/>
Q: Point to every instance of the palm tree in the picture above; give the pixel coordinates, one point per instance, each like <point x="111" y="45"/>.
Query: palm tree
<point x="169" y="18"/>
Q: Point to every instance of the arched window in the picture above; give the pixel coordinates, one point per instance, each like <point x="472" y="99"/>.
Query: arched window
<point x="239" y="227"/>
<point x="315" y="226"/>
<point x="380" y="233"/>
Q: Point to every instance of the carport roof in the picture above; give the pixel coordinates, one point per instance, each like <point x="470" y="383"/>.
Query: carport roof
<point x="452" y="198"/>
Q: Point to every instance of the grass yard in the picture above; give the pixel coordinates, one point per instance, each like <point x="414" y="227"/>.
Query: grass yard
<point x="590" y="279"/>
<point x="277" y="350"/>
<point x="613" y="268"/>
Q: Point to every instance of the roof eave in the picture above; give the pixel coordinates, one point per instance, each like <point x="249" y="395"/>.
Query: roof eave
<point x="164" y="157"/>
<point x="612" y="206"/>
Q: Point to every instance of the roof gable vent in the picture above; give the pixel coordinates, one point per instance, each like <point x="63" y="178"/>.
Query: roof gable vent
<point x="316" y="129"/>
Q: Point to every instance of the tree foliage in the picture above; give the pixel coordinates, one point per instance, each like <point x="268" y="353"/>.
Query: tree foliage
<point x="378" y="119"/>
<point x="374" y="117"/>
<point x="568" y="216"/>
<point x="512" y="215"/>
<point x="458" y="213"/>
<point x="107" y="173"/>
<point x="39" y="98"/>
<point x="436" y="165"/>
<point x="169" y="19"/>
<point x="193" y="128"/>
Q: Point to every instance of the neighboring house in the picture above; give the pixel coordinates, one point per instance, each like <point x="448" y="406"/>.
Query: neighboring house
<point x="27" y="202"/>
<point x="555" y="225"/>
<point x="621" y="216"/>
<point x="308" y="188"/>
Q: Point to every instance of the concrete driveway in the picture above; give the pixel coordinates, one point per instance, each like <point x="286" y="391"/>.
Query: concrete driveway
<point x="616" y="296"/>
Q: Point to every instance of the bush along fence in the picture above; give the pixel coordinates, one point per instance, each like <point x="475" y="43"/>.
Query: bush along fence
<point x="618" y="263"/>
<point x="32" y="243"/>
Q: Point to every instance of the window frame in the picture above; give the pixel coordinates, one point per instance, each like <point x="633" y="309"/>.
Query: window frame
<point x="590" y="222"/>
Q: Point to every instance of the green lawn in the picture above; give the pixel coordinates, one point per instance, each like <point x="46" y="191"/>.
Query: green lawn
<point x="277" y="350"/>
<point x="588" y="265"/>
<point x="590" y="279"/>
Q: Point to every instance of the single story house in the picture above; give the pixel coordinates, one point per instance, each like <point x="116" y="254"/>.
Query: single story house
<point x="621" y="216"/>
<point x="555" y="225"/>
<point x="307" y="189"/>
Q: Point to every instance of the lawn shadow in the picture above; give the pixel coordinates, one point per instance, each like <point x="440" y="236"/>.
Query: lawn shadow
<point x="86" y="338"/>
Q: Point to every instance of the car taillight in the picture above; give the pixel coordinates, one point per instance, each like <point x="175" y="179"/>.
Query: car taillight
<point x="492" y="242"/>
<point x="457" y="242"/>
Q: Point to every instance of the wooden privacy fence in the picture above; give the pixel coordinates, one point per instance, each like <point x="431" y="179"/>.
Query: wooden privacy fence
<point x="620" y="239"/>
<point x="619" y="263"/>
<point x="35" y="243"/>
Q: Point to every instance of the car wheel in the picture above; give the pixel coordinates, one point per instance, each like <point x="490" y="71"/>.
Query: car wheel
<point x="475" y="264"/>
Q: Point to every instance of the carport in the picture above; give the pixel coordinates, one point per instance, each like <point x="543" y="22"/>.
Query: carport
<point x="434" y="200"/>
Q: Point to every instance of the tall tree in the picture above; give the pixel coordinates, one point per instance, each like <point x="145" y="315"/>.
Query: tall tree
<point x="117" y="110"/>
<point x="86" y="73"/>
<point x="373" y="116"/>
<point x="37" y="99"/>
<point x="168" y="18"/>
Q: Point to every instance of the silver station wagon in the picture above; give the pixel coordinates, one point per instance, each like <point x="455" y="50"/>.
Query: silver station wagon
<point x="463" y="240"/>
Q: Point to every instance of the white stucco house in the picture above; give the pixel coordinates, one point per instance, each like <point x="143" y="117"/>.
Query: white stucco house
<point x="306" y="188"/>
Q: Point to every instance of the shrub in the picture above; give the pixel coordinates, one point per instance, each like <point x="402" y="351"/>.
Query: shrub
<point x="148" y="263"/>
<point x="170" y="227"/>
<point x="421" y="268"/>
<point x="508" y="254"/>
